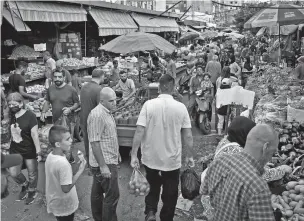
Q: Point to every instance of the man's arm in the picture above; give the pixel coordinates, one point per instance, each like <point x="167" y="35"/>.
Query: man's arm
<point x="26" y="95"/>
<point x="187" y="141"/>
<point x="174" y="69"/>
<point x="138" y="137"/>
<point x="35" y="137"/>
<point x="133" y="89"/>
<point x="98" y="153"/>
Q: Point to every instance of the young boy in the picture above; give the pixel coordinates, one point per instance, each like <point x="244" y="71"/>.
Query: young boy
<point x="61" y="195"/>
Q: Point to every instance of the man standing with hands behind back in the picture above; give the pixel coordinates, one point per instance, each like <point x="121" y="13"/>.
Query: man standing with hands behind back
<point x="163" y="127"/>
<point x="104" y="157"/>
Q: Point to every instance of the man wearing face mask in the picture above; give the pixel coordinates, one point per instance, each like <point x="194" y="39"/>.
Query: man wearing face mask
<point x="240" y="175"/>
<point x="64" y="100"/>
<point x="17" y="81"/>
<point x="127" y="87"/>
<point x="7" y="161"/>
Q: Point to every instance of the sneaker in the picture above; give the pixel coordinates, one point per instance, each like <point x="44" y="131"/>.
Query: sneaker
<point x="23" y="193"/>
<point x="31" y="197"/>
<point x="150" y="216"/>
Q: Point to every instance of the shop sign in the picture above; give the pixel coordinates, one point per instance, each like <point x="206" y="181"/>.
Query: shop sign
<point x="40" y="47"/>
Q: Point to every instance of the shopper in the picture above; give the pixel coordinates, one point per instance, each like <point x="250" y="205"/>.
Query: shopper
<point x="25" y="141"/>
<point x="162" y="124"/>
<point x="194" y="85"/>
<point x="68" y="77"/>
<point x="127" y="87"/>
<point x="49" y="61"/>
<point x="64" y="100"/>
<point x="299" y="70"/>
<point x="114" y="77"/>
<point x="89" y="99"/>
<point x="247" y="64"/>
<point x="214" y="69"/>
<point x="17" y="81"/>
<point x="8" y="161"/>
<point x="61" y="195"/>
<point x="171" y="67"/>
<point x="104" y="157"/>
<point x="240" y="175"/>
<point x="234" y="67"/>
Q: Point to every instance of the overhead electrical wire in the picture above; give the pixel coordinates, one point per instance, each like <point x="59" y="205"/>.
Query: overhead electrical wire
<point x="249" y="6"/>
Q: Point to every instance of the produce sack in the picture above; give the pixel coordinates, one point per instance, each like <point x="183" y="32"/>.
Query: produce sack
<point x="295" y="114"/>
<point x="190" y="184"/>
<point x="138" y="184"/>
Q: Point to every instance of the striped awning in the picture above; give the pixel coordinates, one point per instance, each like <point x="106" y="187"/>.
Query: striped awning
<point x="48" y="11"/>
<point x="166" y="24"/>
<point x="112" y="22"/>
<point x="145" y="24"/>
<point x="15" y="20"/>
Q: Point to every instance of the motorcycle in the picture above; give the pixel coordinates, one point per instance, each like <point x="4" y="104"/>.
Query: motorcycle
<point x="183" y="83"/>
<point x="201" y="112"/>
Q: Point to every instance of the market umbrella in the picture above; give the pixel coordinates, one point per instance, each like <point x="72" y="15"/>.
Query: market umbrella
<point x="138" y="41"/>
<point x="277" y="15"/>
<point x="209" y="34"/>
<point x="188" y="36"/>
<point x="235" y="35"/>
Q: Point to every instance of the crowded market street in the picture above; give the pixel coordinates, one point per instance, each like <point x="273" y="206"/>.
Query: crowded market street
<point x="152" y="110"/>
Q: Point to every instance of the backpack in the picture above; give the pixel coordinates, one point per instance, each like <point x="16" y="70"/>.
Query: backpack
<point x="223" y="109"/>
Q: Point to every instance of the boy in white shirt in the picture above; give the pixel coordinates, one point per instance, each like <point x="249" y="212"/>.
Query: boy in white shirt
<point x="61" y="195"/>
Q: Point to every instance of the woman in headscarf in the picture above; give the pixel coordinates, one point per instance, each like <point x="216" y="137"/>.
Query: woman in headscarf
<point x="235" y="142"/>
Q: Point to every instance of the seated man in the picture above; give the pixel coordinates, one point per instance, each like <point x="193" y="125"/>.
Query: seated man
<point x="127" y="87"/>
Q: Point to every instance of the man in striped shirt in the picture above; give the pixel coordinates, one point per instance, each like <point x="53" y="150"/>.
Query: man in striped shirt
<point x="235" y="184"/>
<point x="103" y="157"/>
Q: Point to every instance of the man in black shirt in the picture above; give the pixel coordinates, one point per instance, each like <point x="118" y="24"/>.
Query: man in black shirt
<point x="17" y="82"/>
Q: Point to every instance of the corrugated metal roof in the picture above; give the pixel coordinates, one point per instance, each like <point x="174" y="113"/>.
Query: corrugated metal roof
<point x="49" y="12"/>
<point x="112" y="22"/>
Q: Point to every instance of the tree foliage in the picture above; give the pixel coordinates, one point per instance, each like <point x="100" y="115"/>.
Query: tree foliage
<point x="246" y="12"/>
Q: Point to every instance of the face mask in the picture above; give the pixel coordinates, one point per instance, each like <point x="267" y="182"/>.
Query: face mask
<point x="15" y="109"/>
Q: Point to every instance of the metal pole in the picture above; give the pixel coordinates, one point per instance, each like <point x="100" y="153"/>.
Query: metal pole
<point x="85" y="38"/>
<point x="279" y="60"/>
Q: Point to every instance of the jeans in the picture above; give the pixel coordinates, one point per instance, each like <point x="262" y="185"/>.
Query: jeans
<point x="32" y="168"/>
<point x="191" y="104"/>
<point x="85" y="141"/>
<point x="66" y="218"/>
<point x="104" y="207"/>
<point x="169" y="180"/>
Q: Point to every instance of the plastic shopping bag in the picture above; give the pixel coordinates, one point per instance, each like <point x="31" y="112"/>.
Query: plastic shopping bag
<point x="190" y="184"/>
<point x="62" y="121"/>
<point x="138" y="184"/>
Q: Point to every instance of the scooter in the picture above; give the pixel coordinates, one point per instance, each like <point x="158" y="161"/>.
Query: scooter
<point x="201" y="111"/>
<point x="183" y="83"/>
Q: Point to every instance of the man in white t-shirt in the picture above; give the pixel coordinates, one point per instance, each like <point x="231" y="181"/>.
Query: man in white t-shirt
<point x="127" y="87"/>
<point x="162" y="125"/>
<point x="61" y="195"/>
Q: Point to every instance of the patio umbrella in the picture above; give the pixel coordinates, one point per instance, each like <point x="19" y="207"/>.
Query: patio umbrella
<point x="188" y="36"/>
<point x="277" y="15"/>
<point x="138" y="41"/>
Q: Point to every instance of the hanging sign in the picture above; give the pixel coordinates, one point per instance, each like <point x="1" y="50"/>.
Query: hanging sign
<point x="40" y="47"/>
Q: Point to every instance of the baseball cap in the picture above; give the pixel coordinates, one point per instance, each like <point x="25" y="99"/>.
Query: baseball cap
<point x="10" y="160"/>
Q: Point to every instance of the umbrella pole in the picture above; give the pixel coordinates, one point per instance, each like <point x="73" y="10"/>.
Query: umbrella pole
<point x="279" y="59"/>
<point x="139" y="70"/>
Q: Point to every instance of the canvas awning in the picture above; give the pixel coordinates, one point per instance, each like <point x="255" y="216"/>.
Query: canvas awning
<point x="112" y="22"/>
<point x="166" y="24"/>
<point x="145" y="23"/>
<point x="15" y="20"/>
<point x="48" y="11"/>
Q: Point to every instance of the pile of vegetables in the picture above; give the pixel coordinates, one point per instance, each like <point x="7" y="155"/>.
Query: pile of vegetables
<point x="24" y="51"/>
<point x="138" y="184"/>
<point x="291" y="148"/>
<point x="291" y="203"/>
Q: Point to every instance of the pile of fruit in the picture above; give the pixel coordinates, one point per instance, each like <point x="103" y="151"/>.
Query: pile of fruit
<point x="138" y="184"/>
<point x="72" y="62"/>
<point x="24" y="51"/>
<point x="291" y="203"/>
<point x="37" y="89"/>
<point x="128" y="115"/>
<point x="36" y="106"/>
